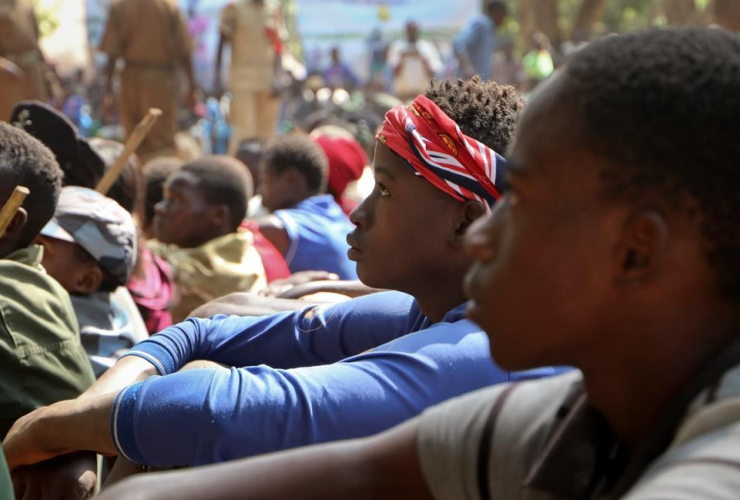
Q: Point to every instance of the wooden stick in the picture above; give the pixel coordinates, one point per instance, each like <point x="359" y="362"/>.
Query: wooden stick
<point x="11" y="207"/>
<point x="132" y="144"/>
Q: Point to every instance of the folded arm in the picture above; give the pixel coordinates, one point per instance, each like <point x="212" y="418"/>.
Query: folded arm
<point x="385" y="466"/>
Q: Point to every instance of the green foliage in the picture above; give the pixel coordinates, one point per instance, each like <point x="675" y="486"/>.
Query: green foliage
<point x="47" y="15"/>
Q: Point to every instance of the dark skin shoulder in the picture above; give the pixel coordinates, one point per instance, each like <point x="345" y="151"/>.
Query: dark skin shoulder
<point x="272" y="229"/>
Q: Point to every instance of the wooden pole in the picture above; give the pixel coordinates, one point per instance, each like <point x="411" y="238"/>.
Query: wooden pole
<point x="132" y="144"/>
<point x="11" y="207"/>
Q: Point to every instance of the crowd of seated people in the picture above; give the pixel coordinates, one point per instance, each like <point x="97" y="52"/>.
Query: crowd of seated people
<point x="535" y="301"/>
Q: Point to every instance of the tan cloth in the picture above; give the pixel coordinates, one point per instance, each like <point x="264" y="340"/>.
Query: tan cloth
<point x="221" y="266"/>
<point x="19" y="37"/>
<point x="152" y="38"/>
<point x="541" y="440"/>
<point x="254" y="109"/>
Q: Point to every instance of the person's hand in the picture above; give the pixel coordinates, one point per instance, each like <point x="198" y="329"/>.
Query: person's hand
<point x="467" y="69"/>
<point x="69" y="477"/>
<point x="25" y="444"/>
<point x="192" y="99"/>
<point x="64" y="427"/>
<point x="279" y="287"/>
<point x="13" y="70"/>
<point x="108" y="106"/>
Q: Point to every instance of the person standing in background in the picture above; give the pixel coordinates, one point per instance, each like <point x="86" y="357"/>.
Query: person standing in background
<point x="152" y="38"/>
<point x="254" y="30"/>
<point x="22" y="67"/>
<point x="414" y="63"/>
<point x="475" y="46"/>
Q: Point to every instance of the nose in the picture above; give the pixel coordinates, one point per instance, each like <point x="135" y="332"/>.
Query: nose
<point x="360" y="216"/>
<point x="160" y="207"/>
<point x="479" y="240"/>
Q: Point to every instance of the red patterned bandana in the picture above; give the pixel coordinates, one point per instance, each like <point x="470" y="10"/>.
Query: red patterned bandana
<point x="437" y="150"/>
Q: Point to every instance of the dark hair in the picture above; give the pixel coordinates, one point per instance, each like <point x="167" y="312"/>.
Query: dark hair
<point x="485" y="111"/>
<point x="223" y="180"/>
<point x="299" y="152"/>
<point x="156" y="172"/>
<point x="127" y="190"/>
<point x="499" y="5"/>
<point x="662" y="108"/>
<point x="25" y="161"/>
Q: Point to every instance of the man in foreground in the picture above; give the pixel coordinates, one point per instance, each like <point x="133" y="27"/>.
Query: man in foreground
<point x="615" y="250"/>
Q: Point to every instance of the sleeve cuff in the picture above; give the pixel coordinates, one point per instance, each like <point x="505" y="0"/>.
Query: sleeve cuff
<point x="156" y="355"/>
<point x="122" y="424"/>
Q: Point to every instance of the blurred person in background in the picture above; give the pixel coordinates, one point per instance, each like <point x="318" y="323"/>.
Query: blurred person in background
<point x="414" y="63"/>
<point x="152" y="38"/>
<point x="474" y="47"/>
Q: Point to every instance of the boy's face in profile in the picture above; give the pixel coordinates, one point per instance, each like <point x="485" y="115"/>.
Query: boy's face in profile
<point x="403" y="229"/>
<point x="184" y="216"/>
<point x="275" y="188"/>
<point x="542" y="285"/>
<point x="69" y="264"/>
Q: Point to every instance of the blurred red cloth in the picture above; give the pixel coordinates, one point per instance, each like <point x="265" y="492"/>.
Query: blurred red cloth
<point x="347" y="160"/>
<point x="273" y="261"/>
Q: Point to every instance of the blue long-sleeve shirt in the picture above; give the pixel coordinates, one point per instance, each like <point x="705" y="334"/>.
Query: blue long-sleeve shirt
<point x="318" y="229"/>
<point x="338" y="372"/>
<point x="478" y="42"/>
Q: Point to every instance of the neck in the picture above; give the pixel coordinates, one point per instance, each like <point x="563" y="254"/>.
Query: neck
<point x="632" y="387"/>
<point x="438" y="298"/>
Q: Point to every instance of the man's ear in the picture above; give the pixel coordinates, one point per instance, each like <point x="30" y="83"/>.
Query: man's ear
<point x="641" y="250"/>
<point x="16" y="225"/>
<point x="221" y="215"/>
<point x="467" y="213"/>
<point x="88" y="280"/>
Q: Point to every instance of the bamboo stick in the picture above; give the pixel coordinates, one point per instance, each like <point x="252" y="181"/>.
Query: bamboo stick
<point x="132" y="144"/>
<point x="11" y="207"/>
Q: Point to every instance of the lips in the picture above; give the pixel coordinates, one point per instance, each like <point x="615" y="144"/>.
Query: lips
<point x="354" y="252"/>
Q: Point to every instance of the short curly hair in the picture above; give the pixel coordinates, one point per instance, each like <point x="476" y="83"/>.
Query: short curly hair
<point x="662" y="108"/>
<point x="299" y="152"/>
<point x="25" y="161"/>
<point x="485" y="111"/>
<point x="223" y="180"/>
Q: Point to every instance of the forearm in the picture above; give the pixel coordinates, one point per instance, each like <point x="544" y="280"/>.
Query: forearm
<point x="62" y="428"/>
<point x="126" y="371"/>
<point x="385" y="466"/>
<point x="246" y="304"/>
<point x="187" y="64"/>
<point x="109" y="70"/>
<point x="219" y="61"/>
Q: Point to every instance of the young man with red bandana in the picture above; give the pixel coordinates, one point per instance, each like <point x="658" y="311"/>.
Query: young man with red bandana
<point x="322" y="373"/>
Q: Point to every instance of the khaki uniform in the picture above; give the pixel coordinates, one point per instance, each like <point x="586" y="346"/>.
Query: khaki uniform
<point x="41" y="358"/>
<point x="152" y="38"/>
<point x="224" y="265"/>
<point x="19" y="43"/>
<point x="254" y="108"/>
<point x="542" y="440"/>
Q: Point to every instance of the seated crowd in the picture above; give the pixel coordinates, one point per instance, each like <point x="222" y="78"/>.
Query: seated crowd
<point x="535" y="301"/>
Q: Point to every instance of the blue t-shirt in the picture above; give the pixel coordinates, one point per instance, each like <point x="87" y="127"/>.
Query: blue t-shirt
<point x="318" y="229"/>
<point x="478" y="41"/>
<point x="312" y="376"/>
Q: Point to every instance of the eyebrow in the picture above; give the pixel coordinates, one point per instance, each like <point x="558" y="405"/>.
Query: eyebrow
<point x="381" y="169"/>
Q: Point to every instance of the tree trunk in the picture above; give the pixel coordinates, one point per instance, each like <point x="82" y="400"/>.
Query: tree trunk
<point x="589" y="14"/>
<point x="727" y="14"/>
<point x="680" y="12"/>
<point x="539" y="15"/>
